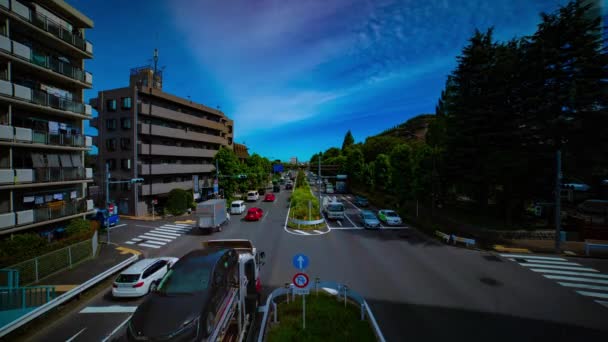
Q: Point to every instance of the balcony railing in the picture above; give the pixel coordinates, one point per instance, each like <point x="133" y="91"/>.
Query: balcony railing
<point x="164" y="150"/>
<point x="26" y="53"/>
<point x="59" y="174"/>
<point x="57" y="211"/>
<point x="161" y="169"/>
<point x="43" y="98"/>
<point x="59" y="139"/>
<point x="48" y="25"/>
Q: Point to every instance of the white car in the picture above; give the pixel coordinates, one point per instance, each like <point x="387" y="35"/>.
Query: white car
<point x="142" y="277"/>
<point x="389" y="217"/>
<point x="253" y="196"/>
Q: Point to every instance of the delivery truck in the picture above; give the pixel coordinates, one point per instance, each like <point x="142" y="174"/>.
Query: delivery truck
<point x="211" y="215"/>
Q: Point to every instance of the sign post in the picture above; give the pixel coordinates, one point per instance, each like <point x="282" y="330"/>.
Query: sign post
<point x="301" y="281"/>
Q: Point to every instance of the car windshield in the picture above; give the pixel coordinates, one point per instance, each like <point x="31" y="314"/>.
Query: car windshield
<point x="335" y="207"/>
<point x="188" y="276"/>
<point x="236" y="205"/>
<point x="369" y="216"/>
<point x="390" y="214"/>
<point x="127" y="278"/>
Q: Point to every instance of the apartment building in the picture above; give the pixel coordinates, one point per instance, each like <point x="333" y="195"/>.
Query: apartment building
<point x="42" y="143"/>
<point x="147" y="133"/>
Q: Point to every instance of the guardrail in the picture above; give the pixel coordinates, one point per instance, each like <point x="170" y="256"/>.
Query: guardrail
<point x="341" y="289"/>
<point x="8" y="328"/>
<point x="451" y="238"/>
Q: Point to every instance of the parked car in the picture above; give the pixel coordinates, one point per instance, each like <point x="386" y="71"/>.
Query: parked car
<point x="254" y="214"/>
<point x="276" y="188"/>
<point x="329" y="189"/>
<point x="361" y="201"/>
<point x="270" y="197"/>
<point x="288" y="186"/>
<point x="253" y="195"/>
<point x="369" y="219"/>
<point x="389" y="217"/>
<point x="189" y="299"/>
<point x="238" y="207"/>
<point x="142" y="277"/>
<point x="593" y="206"/>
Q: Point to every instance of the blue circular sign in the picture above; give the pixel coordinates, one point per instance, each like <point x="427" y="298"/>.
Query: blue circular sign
<point x="300" y="261"/>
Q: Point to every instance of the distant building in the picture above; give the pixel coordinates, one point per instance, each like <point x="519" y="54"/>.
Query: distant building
<point x="167" y="140"/>
<point x="293" y="160"/>
<point x="241" y="151"/>
<point x="43" y="179"/>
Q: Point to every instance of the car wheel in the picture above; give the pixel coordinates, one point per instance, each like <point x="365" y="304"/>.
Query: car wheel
<point x="209" y="324"/>
<point x="219" y="228"/>
<point x="152" y="287"/>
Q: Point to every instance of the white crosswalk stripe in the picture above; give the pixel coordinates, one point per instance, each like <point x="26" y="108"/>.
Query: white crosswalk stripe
<point x="154" y="242"/>
<point x="160" y="236"/>
<point x="156" y="231"/>
<point x="148" y="245"/>
<point x="173" y="231"/>
<point x="585" y="281"/>
<point x="151" y="237"/>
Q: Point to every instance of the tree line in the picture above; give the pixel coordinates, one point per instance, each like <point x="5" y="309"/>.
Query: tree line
<point x="505" y="111"/>
<point x="237" y="176"/>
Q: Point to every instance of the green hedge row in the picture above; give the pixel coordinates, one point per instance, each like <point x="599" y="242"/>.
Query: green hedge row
<point x="22" y="247"/>
<point x="300" y="199"/>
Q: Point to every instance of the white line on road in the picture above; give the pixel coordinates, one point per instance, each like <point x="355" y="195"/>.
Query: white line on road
<point x="155" y="231"/>
<point x="116" y="329"/>
<point x="553" y="262"/>
<point x="339" y="223"/>
<point x="74" y="337"/>
<point x="587" y="280"/>
<point x="318" y="231"/>
<point x="593" y="294"/>
<point x="173" y="231"/>
<point x="136" y="239"/>
<point x="152" y="237"/>
<point x="118" y="226"/>
<point x="109" y="309"/>
<point x="130" y="242"/>
<point x="602" y="302"/>
<point x="524" y="256"/>
<point x="147" y="235"/>
<point x="584" y="286"/>
<point x="154" y="242"/>
<point x="147" y="245"/>
<point x="348" y="228"/>
<point x="349" y="220"/>
<point x="560" y="267"/>
<point x="139" y="225"/>
<point x="594" y="275"/>
<point x="173" y="226"/>
<point x="183" y="225"/>
<point x="301" y="232"/>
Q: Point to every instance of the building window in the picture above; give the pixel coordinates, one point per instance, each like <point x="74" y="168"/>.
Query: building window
<point x="125" y="164"/>
<point x="110" y="124"/>
<point x="125" y="143"/>
<point x="125" y="103"/>
<point x="125" y="123"/>
<point x="111" y="105"/>
<point x="111" y="164"/>
<point x="111" y="144"/>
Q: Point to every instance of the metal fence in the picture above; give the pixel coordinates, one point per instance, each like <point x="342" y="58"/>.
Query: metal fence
<point x="33" y="270"/>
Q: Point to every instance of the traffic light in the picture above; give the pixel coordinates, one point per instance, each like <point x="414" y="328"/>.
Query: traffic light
<point x="137" y="180"/>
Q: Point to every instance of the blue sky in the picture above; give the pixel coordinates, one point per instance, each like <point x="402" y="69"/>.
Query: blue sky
<point x="295" y="75"/>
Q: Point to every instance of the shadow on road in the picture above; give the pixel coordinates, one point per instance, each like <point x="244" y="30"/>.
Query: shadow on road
<point x="409" y="236"/>
<point x="402" y="321"/>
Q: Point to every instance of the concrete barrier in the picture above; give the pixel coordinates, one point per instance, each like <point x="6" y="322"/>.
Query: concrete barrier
<point x="454" y="239"/>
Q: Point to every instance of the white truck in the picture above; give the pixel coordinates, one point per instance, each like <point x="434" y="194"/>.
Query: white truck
<point x="333" y="209"/>
<point x="211" y="215"/>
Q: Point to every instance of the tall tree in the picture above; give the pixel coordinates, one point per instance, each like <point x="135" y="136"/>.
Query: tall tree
<point x="355" y="164"/>
<point x="348" y="141"/>
<point x="382" y="175"/>
<point x="229" y="169"/>
<point x="401" y="171"/>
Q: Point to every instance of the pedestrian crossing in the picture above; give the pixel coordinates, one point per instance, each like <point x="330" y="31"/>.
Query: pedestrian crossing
<point x="158" y="237"/>
<point x="585" y="281"/>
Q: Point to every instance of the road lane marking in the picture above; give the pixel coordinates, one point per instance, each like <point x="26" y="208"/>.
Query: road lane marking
<point x="584" y="286"/>
<point x="109" y="309"/>
<point x="164" y="233"/>
<point x="318" y="231"/>
<point x="151" y="237"/>
<point x="593" y="294"/>
<point x="154" y="242"/>
<point x="147" y="245"/>
<point x="118" y="226"/>
<point x="348" y="228"/>
<point x="116" y="329"/>
<point x="594" y="275"/>
<point x="174" y="226"/>
<point x="301" y="232"/>
<point x="587" y="280"/>
<point x="604" y="303"/>
<point x="349" y="220"/>
<point x="74" y="337"/>
<point x="130" y="242"/>
<point x="339" y="223"/>
<point x="553" y="262"/>
<point x="560" y="267"/>
<point x="172" y="231"/>
<point x="139" y="225"/>
<point x="525" y="256"/>
<point x="136" y="239"/>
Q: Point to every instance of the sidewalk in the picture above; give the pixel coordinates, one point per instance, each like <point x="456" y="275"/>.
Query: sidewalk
<point x="108" y="256"/>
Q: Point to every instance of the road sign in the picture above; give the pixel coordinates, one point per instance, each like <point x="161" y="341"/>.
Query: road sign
<point x="300" y="261"/>
<point x="215" y="187"/>
<point x="299" y="291"/>
<point x="300" y="280"/>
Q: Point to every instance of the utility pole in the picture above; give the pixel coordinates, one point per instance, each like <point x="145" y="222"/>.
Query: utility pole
<point x="558" y="199"/>
<point x="107" y="224"/>
<point x="321" y="179"/>
<point x="150" y="124"/>
<point x="217" y="178"/>
<point x="135" y="139"/>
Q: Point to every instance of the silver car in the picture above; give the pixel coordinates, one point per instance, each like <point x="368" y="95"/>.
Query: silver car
<point x="369" y="219"/>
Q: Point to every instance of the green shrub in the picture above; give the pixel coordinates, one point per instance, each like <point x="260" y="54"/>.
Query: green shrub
<point x="78" y="226"/>
<point x="178" y="202"/>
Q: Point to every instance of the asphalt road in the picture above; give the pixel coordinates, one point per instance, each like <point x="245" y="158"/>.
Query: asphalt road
<point x="417" y="288"/>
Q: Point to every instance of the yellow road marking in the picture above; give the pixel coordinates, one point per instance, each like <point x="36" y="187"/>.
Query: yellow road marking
<point x="185" y="221"/>
<point x="64" y="288"/>
<point x="500" y="248"/>
<point x="125" y="250"/>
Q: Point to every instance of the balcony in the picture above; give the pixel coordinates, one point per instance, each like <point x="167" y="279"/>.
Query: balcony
<point x="25" y="53"/>
<point x="42" y="175"/>
<point x="163" y="188"/>
<point x="177" y="133"/>
<point x="163" y="150"/>
<point x="44" y="23"/>
<point x="174" y="115"/>
<point x="163" y="169"/>
<point x="41" y="98"/>
<point x="25" y="136"/>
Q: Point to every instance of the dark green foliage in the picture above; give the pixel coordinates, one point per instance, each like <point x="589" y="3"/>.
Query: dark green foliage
<point x="78" y="226"/>
<point x="348" y="141"/>
<point x="178" y="202"/>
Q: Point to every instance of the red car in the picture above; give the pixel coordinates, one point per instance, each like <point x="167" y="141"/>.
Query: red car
<point x="254" y="214"/>
<point x="269" y="197"/>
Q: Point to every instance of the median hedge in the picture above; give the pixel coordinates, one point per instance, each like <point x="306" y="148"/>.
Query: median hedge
<point x="300" y="198"/>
